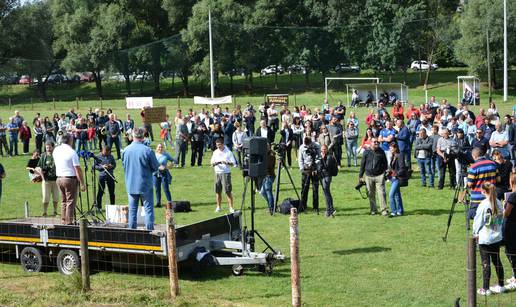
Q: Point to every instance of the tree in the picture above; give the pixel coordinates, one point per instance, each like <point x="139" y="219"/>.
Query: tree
<point x="477" y="17"/>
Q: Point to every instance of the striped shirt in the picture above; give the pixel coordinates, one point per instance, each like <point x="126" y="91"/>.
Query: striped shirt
<point x="483" y="170"/>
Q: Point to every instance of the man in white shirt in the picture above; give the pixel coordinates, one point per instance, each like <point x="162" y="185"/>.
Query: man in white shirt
<point x="500" y="140"/>
<point x="221" y="160"/>
<point x="69" y="174"/>
<point x="265" y="132"/>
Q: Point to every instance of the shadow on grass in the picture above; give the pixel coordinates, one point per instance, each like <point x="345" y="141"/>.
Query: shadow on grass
<point x="363" y="250"/>
<point x="433" y="212"/>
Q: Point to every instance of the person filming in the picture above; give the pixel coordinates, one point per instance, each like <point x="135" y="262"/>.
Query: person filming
<point x="308" y="154"/>
<point x="105" y="164"/>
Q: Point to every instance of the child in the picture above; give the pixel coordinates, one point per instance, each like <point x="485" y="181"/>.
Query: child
<point x="487" y="226"/>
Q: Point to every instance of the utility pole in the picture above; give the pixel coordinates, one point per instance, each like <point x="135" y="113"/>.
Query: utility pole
<point x="488" y="64"/>
<point x="505" y="55"/>
<point x="212" y="77"/>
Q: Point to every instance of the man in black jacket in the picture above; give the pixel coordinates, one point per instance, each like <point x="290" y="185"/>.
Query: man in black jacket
<point x="511" y="132"/>
<point x="374" y="165"/>
<point x="287" y="136"/>
<point x="265" y="132"/>
<point x="105" y="163"/>
<point x="327" y="167"/>
<point x="199" y="131"/>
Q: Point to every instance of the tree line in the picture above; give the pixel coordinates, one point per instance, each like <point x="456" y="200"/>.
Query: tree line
<point x="158" y="36"/>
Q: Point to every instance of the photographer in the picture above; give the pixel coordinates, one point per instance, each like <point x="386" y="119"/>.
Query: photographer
<point x="374" y="165"/>
<point x="49" y="185"/>
<point x="462" y="161"/>
<point x="327" y="168"/>
<point x="105" y="162"/>
<point x="308" y="155"/>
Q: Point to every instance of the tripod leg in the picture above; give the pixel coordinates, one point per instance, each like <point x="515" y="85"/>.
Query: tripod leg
<point x="278" y="181"/>
<point x="246" y="181"/>
<point x="291" y="180"/>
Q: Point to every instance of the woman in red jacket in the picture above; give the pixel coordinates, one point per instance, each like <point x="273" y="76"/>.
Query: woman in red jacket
<point x="397" y="110"/>
<point x="25" y="136"/>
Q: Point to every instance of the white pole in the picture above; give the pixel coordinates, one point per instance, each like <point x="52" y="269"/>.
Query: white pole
<point x="505" y="64"/>
<point x="212" y="77"/>
<point x="326" y="88"/>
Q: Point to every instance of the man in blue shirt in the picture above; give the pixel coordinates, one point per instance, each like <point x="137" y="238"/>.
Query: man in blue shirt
<point x="13" y="129"/>
<point x="139" y="163"/>
<point x="403" y="138"/>
<point x="387" y="135"/>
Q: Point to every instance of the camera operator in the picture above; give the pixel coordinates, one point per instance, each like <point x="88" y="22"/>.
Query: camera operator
<point x="104" y="163"/>
<point x="308" y="154"/>
<point x="327" y="168"/>
<point x="266" y="188"/>
<point x="49" y="185"/>
<point x="374" y="165"/>
<point x="480" y="172"/>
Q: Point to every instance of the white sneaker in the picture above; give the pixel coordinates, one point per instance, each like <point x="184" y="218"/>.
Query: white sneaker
<point x="484" y="292"/>
<point x="497" y="289"/>
<point x="217" y="209"/>
<point x="231" y="210"/>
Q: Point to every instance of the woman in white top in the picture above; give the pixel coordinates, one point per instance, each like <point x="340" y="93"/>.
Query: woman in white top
<point x="487" y="227"/>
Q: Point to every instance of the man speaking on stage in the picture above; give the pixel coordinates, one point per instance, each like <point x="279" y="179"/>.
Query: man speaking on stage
<point x="139" y="163"/>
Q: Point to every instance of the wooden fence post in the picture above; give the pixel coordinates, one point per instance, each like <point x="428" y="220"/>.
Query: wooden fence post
<point x="178" y="102"/>
<point x="31" y="103"/>
<point x="9" y="103"/>
<point x="26" y="208"/>
<point x="77" y="103"/>
<point x="294" y="259"/>
<point x="54" y="102"/>
<point x="471" y="269"/>
<point x="85" y="257"/>
<point x="172" y="253"/>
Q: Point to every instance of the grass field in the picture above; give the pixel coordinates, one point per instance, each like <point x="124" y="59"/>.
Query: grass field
<point x="351" y="260"/>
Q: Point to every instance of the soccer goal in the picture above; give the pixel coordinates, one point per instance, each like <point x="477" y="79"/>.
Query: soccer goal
<point x="468" y="90"/>
<point x="336" y="89"/>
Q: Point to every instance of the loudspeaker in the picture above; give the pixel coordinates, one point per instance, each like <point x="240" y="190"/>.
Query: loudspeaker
<point x="255" y="154"/>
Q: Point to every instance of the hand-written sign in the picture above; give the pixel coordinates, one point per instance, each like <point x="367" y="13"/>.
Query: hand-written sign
<point x="277" y="99"/>
<point x="155" y="115"/>
<point x="138" y="102"/>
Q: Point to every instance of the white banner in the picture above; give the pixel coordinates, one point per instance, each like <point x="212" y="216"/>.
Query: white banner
<point x="219" y="100"/>
<point x="138" y="102"/>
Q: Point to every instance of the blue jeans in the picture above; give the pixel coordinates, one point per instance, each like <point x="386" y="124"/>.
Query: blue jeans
<point x="13" y="145"/>
<point x="425" y="167"/>
<point x="351" y="151"/>
<point x="114" y="140"/>
<point x="435" y="166"/>
<point x="148" y="206"/>
<point x="81" y="145"/>
<point x="162" y="180"/>
<point x="406" y="157"/>
<point x="266" y="190"/>
<point x="395" y="197"/>
<point x="180" y="148"/>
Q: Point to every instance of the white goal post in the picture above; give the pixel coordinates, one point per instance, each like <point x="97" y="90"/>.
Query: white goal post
<point x="328" y="80"/>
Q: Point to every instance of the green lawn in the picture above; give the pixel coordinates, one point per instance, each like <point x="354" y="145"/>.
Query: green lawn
<point x="351" y="260"/>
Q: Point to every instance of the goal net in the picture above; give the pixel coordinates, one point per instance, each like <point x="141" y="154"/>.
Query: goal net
<point x="340" y="89"/>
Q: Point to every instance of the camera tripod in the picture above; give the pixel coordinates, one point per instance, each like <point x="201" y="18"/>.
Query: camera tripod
<point x="251" y="235"/>
<point x="461" y="195"/>
<point x="281" y="164"/>
<point x="90" y="212"/>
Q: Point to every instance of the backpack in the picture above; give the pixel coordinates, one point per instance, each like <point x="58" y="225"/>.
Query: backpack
<point x="290" y="203"/>
<point x="181" y="206"/>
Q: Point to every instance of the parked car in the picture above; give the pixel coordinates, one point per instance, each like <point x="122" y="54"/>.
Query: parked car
<point x="235" y="72"/>
<point x="87" y="77"/>
<point x="423" y="65"/>
<point x="117" y="77"/>
<point x="296" y="69"/>
<point x="9" y="79"/>
<point x="342" y="68"/>
<point x="272" y="69"/>
<point x="56" y="79"/>
<point x="25" y="79"/>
